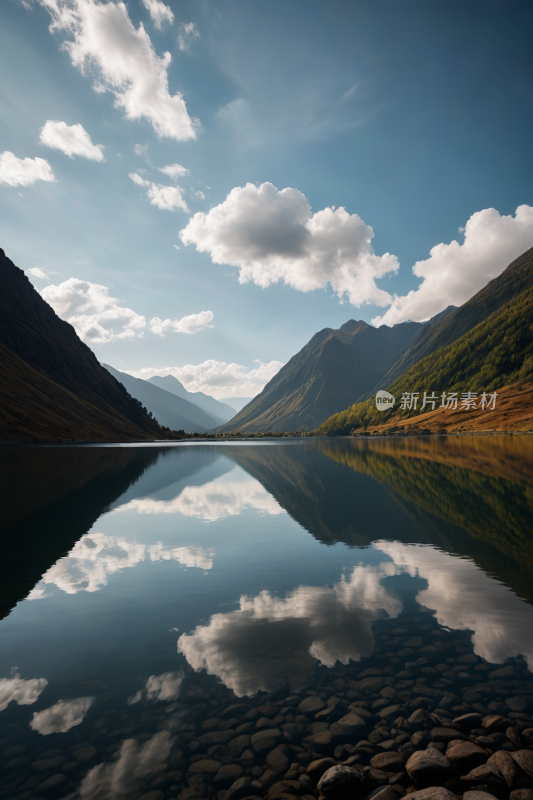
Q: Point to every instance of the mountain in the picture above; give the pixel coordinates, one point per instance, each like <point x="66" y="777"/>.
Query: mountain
<point x="515" y="279"/>
<point x="51" y="384"/>
<point x="169" y="410"/>
<point x="236" y="402"/>
<point x="495" y="353"/>
<point x="335" y="368"/>
<point x="220" y="412"/>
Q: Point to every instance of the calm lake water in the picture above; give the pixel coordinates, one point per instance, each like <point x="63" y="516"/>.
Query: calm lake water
<point x="145" y="590"/>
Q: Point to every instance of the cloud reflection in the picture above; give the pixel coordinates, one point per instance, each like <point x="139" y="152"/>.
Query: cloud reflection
<point x="465" y="598"/>
<point x="212" y="501"/>
<point x="160" y="687"/>
<point x="269" y="639"/>
<point x="61" y="717"/>
<point x="96" y="556"/>
<point x="23" y="692"/>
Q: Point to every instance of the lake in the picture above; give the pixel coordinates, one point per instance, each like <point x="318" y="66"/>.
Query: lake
<point x="171" y="616"/>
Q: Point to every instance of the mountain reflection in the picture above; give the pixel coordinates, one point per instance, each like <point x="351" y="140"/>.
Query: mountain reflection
<point x="269" y="640"/>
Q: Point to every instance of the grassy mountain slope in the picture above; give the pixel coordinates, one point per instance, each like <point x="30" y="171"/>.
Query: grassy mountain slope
<point x="219" y="411"/>
<point x="514" y="280"/>
<point x="53" y="385"/>
<point x="170" y="410"/>
<point x="495" y="353"/>
<point x="334" y="368"/>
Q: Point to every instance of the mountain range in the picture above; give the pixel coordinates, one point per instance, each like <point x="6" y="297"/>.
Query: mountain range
<point x="335" y="369"/>
<point x="218" y="410"/>
<point x="51" y="384"/>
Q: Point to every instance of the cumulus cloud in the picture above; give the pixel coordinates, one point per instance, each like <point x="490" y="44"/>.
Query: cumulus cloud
<point x="188" y="33"/>
<point x="215" y="500"/>
<point x="159" y="12"/>
<point x="62" y="717"/>
<point x="273" y="236"/>
<point x="73" y="140"/>
<point x="466" y="598"/>
<point x="124" y="62"/>
<point x="140" y="149"/>
<point x="454" y="272"/>
<point x="96" y="317"/>
<point x="174" y="170"/>
<point x="21" y="691"/>
<point x="23" y="171"/>
<point x="96" y="556"/>
<point x="218" y="378"/>
<point x="122" y="779"/>
<point x="189" y="324"/>
<point x="167" y="198"/>
<point x="160" y="687"/>
<point x="269" y="640"/>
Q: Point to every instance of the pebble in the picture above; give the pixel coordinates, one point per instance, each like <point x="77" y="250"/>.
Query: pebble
<point x="339" y="781"/>
<point x="428" y="768"/>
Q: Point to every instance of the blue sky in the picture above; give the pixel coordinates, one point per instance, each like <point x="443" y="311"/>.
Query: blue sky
<point x="414" y="116"/>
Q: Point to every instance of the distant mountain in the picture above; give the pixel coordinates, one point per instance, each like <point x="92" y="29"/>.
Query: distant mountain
<point x="51" y="384"/>
<point x="170" y="410"/>
<point x="515" y="279"/>
<point x="219" y="411"/>
<point x="335" y="368"/>
<point x="236" y="402"/>
<point x="495" y="353"/>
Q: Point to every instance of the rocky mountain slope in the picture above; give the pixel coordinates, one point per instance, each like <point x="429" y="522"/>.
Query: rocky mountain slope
<point x="219" y="411"/>
<point x="51" y="384"/>
<point x="335" y="367"/>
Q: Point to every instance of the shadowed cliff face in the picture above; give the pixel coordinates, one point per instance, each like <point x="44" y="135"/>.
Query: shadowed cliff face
<point x="52" y="496"/>
<point x="51" y="384"/>
<point x="469" y="497"/>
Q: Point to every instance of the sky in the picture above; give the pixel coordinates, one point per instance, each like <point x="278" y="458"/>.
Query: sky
<point x="199" y="187"/>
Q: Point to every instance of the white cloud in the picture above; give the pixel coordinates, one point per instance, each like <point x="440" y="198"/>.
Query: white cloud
<point x="97" y="317"/>
<point x="198" y="194"/>
<point x="160" y="687"/>
<point x="174" y="170"/>
<point x="23" y="692"/>
<point x="218" y="378"/>
<point x="188" y="33"/>
<point x="189" y="324"/>
<point x="273" y="236"/>
<point x="167" y="198"/>
<point x="61" y="717"/>
<point x="124" y="62"/>
<point x="36" y="272"/>
<point x="159" y="12"/>
<point x="454" y="272"/>
<point x="465" y="598"/>
<point x="141" y="149"/>
<point x="122" y="779"/>
<point x="73" y="140"/>
<point x="215" y="500"/>
<point x="23" y="171"/>
<point x="269" y="639"/>
<point x="188" y="556"/>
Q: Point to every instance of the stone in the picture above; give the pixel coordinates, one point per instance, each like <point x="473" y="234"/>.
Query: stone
<point x="325" y="741"/>
<point x="391" y="712"/>
<point x="465" y="756"/>
<point x="316" y="769"/>
<point x="278" y="759"/>
<point x="84" y="753"/>
<point x="344" y="751"/>
<point x="517" y="703"/>
<point x="414" y="641"/>
<point x="264" y="741"/>
<point x="421" y="718"/>
<point x="311" y="705"/>
<point x="156" y="794"/>
<point x="51" y="783"/>
<point x="352" y="724"/>
<point x="228" y="773"/>
<point x="469" y="721"/>
<point x="489" y="775"/>
<point x="364" y="713"/>
<point x="494" y="722"/>
<point x="387" y="762"/>
<point x="433" y="793"/>
<point x="240" y="742"/>
<point x="501" y="674"/>
<point x="524" y="759"/>
<point x="206" y="766"/>
<point x="370" y="685"/>
<point x="475" y="794"/>
<point x="446" y="735"/>
<point x="339" y="781"/>
<point x="527" y="736"/>
<point x="48" y="763"/>
<point x="507" y="766"/>
<point x="513" y="737"/>
<point x="389" y="745"/>
<point x="387" y="793"/>
<point x="428" y="768"/>
<point x="521" y="794"/>
<point x="242" y="788"/>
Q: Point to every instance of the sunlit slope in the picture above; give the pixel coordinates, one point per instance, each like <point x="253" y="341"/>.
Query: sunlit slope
<point x="494" y="354"/>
